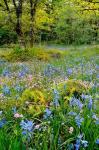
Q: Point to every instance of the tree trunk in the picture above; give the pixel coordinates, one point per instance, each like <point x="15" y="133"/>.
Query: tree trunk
<point x="18" y="28"/>
<point x="33" y="6"/>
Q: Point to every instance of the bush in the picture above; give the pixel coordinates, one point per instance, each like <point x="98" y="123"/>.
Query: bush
<point x="73" y="88"/>
<point x="7" y="37"/>
<point x="24" y="54"/>
<point x="34" y="101"/>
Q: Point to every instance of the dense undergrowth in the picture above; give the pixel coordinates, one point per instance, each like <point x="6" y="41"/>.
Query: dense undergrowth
<point x="18" y="53"/>
<point x="50" y="102"/>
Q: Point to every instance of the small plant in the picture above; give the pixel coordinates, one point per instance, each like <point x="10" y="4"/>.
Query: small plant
<point x="34" y="101"/>
<point x="73" y="88"/>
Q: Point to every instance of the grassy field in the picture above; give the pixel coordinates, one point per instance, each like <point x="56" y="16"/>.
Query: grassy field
<point x="49" y="98"/>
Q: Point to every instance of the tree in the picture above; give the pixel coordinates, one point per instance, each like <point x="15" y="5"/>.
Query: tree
<point x="66" y="21"/>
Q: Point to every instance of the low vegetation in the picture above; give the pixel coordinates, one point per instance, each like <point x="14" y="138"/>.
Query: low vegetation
<point x="49" y="103"/>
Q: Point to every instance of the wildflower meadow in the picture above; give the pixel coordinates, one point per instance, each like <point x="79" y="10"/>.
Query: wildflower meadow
<point x="50" y="105"/>
<point x="49" y="74"/>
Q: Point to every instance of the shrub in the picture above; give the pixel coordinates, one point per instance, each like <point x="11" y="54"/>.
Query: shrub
<point x="7" y="37"/>
<point x="73" y="88"/>
<point x="33" y="101"/>
<point x="21" y="54"/>
<point x="17" y="54"/>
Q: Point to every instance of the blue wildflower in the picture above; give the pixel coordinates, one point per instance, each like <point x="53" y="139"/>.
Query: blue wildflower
<point x="48" y="113"/>
<point x="97" y="122"/>
<point x="2" y="122"/>
<point x="72" y="113"/>
<point x="83" y="96"/>
<point x="77" y="145"/>
<point x="27" y="135"/>
<point x="97" y="141"/>
<point x="5" y="72"/>
<point x="79" y="104"/>
<point x="97" y="67"/>
<point x="14" y="110"/>
<point x="50" y="70"/>
<point x="56" y="98"/>
<point x="90" y="103"/>
<point x="98" y="76"/>
<point x="76" y="102"/>
<point x="84" y="143"/>
<point x="24" y="132"/>
<point x="18" y="88"/>
<point x="21" y="74"/>
<point x="94" y="117"/>
<point x="79" y="120"/>
<point x="6" y="90"/>
<point x="27" y="125"/>
<point x="69" y="71"/>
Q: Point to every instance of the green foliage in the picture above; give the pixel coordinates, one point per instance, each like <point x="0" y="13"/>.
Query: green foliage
<point x="18" y="53"/>
<point x="62" y="21"/>
<point x="7" y="37"/>
<point x="72" y="27"/>
<point x="73" y="88"/>
<point x="33" y="101"/>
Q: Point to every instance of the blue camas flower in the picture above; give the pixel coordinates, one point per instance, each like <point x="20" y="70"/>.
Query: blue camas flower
<point x="6" y="90"/>
<point x="80" y="143"/>
<point x="97" y="141"/>
<point x="56" y="98"/>
<point x="97" y="122"/>
<point x="5" y="72"/>
<point x="90" y="103"/>
<point x="50" y="70"/>
<point x="69" y="71"/>
<point x="18" y="88"/>
<point x="14" y="110"/>
<point x="79" y="120"/>
<point x="21" y="74"/>
<point x="84" y="143"/>
<point x="27" y="125"/>
<point x="71" y="113"/>
<point x="76" y="102"/>
<point x="48" y="113"/>
<point x="2" y="122"/>
<point x="77" y="145"/>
